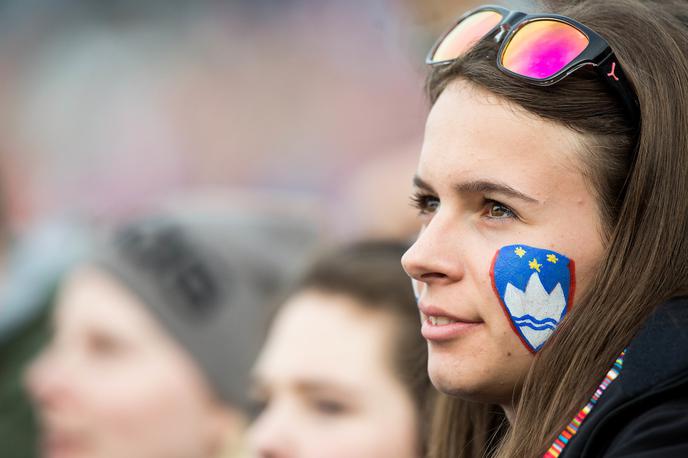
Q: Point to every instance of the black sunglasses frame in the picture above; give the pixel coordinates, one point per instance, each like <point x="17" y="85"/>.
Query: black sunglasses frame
<point x="597" y="53"/>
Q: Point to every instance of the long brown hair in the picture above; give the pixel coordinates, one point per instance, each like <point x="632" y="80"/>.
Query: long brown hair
<point x="639" y="175"/>
<point x="464" y="429"/>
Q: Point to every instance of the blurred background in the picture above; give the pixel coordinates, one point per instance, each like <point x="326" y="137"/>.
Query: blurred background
<point x="109" y="107"/>
<point x="112" y="108"/>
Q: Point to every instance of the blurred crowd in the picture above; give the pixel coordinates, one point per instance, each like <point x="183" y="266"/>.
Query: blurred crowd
<point x="202" y="210"/>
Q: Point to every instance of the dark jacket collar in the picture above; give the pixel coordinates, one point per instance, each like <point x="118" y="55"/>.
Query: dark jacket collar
<point x="659" y="352"/>
<point x="656" y="362"/>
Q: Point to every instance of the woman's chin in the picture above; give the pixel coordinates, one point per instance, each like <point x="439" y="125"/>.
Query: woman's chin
<point x="448" y="379"/>
<point x="463" y="382"/>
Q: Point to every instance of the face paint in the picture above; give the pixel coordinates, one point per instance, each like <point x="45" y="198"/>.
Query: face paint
<point x="535" y="287"/>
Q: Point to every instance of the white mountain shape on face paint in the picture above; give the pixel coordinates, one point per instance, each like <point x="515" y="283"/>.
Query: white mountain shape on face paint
<point x="544" y="309"/>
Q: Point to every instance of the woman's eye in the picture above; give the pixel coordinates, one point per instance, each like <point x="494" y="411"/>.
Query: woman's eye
<point x="498" y="211"/>
<point x="105" y="346"/>
<point x="425" y="203"/>
<point x="330" y="408"/>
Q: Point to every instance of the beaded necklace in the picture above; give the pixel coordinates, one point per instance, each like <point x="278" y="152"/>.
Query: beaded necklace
<point x="565" y="436"/>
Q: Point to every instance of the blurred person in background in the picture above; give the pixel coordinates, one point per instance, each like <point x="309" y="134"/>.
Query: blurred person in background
<point x="342" y="372"/>
<point x="155" y="334"/>
<point x="34" y="266"/>
<point x="32" y="262"/>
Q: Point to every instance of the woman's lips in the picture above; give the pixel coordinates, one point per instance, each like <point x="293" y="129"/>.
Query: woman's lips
<point x="62" y="443"/>
<point x="60" y="446"/>
<point x="438" y="325"/>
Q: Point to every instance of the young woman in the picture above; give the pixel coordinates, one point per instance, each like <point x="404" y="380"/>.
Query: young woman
<point x="342" y="373"/>
<point x="553" y="261"/>
<point x="155" y="336"/>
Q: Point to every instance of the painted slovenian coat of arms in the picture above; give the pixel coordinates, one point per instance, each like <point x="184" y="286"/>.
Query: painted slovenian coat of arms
<point x="535" y="287"/>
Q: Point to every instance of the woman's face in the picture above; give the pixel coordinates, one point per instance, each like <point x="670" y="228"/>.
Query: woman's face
<point x="491" y="175"/>
<point x="112" y="384"/>
<point x="326" y="384"/>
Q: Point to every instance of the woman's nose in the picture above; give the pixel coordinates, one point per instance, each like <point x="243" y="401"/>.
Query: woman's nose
<point x="45" y="379"/>
<point x="269" y="436"/>
<point x="435" y="256"/>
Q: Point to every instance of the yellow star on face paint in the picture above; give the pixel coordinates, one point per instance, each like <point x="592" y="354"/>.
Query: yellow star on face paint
<point x="520" y="252"/>
<point x="534" y="265"/>
<point x="552" y="258"/>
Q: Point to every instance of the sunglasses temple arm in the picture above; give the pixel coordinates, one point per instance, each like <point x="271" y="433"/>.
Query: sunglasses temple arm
<point x="610" y="71"/>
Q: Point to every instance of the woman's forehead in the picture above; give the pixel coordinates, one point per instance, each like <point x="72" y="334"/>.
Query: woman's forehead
<point x="326" y="337"/>
<point x="93" y="299"/>
<point x="472" y="135"/>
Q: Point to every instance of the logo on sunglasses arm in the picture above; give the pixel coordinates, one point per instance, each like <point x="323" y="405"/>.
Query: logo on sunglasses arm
<point x="535" y="288"/>
<point x="612" y="73"/>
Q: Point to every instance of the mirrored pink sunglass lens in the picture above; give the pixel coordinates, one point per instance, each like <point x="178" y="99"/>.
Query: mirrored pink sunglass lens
<point x="542" y="48"/>
<point x="465" y="34"/>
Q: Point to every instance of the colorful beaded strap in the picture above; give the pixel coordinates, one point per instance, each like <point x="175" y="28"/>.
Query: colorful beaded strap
<point x="562" y="441"/>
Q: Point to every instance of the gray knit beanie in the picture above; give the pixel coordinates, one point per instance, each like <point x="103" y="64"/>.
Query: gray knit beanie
<point x="210" y="281"/>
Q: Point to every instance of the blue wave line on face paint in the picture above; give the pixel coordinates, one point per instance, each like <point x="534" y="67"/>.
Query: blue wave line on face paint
<point x="535" y="323"/>
<point x="535" y="320"/>
<point x="536" y="327"/>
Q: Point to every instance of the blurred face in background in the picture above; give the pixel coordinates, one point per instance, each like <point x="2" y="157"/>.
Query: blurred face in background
<point x="326" y="385"/>
<point x="112" y="384"/>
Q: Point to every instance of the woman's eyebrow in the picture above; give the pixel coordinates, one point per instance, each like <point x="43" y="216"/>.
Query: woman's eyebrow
<point x="419" y="183"/>
<point x="320" y="386"/>
<point x="484" y="186"/>
<point x="480" y="186"/>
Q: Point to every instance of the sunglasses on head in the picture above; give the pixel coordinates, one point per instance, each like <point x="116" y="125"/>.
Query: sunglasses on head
<point x="540" y="48"/>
